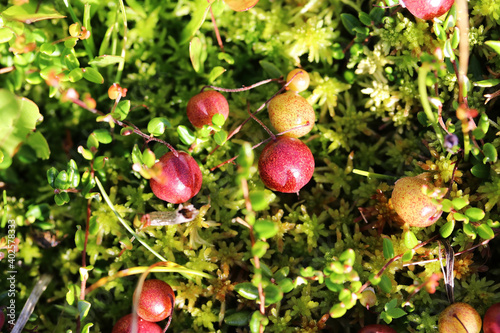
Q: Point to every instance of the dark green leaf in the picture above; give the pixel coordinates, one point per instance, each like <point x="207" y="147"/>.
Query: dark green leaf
<point x="122" y="109"/>
<point x="240" y="318"/>
<point x="247" y="290"/>
<point x="273" y="294"/>
<point x="388" y="248"/>
<point x="385" y="284"/>
<point x="265" y="229"/>
<point x="270" y="68"/>
<point x="83" y="308"/>
<point x="481" y="171"/>
<point x="62" y="180"/>
<point x="286" y="285"/>
<point x="377" y="14"/>
<point x="396" y="313"/>
<point x="350" y="22"/>
<point x="51" y="176"/>
<point x="61" y="198"/>
<point x="80" y="239"/>
<point x="490" y="153"/>
<point x="365" y="18"/>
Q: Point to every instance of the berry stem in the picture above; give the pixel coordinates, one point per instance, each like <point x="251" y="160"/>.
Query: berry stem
<point x="255" y="85"/>
<point x="271" y="134"/>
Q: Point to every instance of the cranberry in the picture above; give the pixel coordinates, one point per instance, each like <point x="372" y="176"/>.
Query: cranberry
<point x="203" y="106"/>
<point x="290" y="110"/>
<point x="459" y="318"/>
<point x="156" y="300"/>
<point x="377" y="328"/>
<point x="286" y="165"/>
<point x="491" y="321"/>
<point x="300" y="82"/>
<point x="124" y="325"/>
<point x="427" y="9"/>
<point x="178" y="178"/>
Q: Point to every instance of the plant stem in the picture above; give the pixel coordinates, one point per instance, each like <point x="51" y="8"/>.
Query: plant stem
<point x="129" y="229"/>
<point x="422" y="89"/>
<point x="372" y="174"/>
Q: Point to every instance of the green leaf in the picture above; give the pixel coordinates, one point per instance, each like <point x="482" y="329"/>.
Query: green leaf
<point x="73" y="174"/>
<point x="106" y="60"/>
<point x="388" y="248"/>
<point x="87" y="154"/>
<point x="385" y="284"/>
<point x="273" y="294"/>
<point x="75" y="75"/>
<point x="410" y="239"/>
<point x="215" y="73"/>
<point x="197" y="18"/>
<point x="71" y="294"/>
<point x="408" y="255"/>
<point x="494" y="44"/>
<point x="259" y="248"/>
<point x="446" y="205"/>
<point x="62" y="180"/>
<point x="469" y="230"/>
<point x="103" y="135"/>
<point x="80" y="239"/>
<point x="365" y="18"/>
<point x="218" y="120"/>
<point x="83" y="308"/>
<point x="186" y="135"/>
<point x="247" y="290"/>
<point x="396" y="313"/>
<point x="270" y="68"/>
<point x="447" y="228"/>
<point x="459" y="203"/>
<point x="18" y="118"/>
<point x="439" y="31"/>
<point x="148" y="158"/>
<point x="226" y="57"/>
<point x="99" y="162"/>
<point x="158" y="125"/>
<point x="448" y="50"/>
<point x="51" y="176"/>
<point x="350" y="22"/>
<point x="86" y="328"/>
<point x="485" y="232"/>
<point x="246" y="155"/>
<point x="286" y="285"/>
<point x="196" y="54"/>
<point x="338" y="310"/>
<point x="240" y="318"/>
<point x="475" y="214"/>
<point x="41" y="147"/>
<point x="5" y="35"/>
<point x="265" y="229"/>
<point x="92" y="75"/>
<point x="348" y="257"/>
<point x="455" y="39"/>
<point x="259" y="201"/>
<point x="256" y="321"/>
<point x="481" y="171"/>
<point x="70" y="43"/>
<point x="31" y="12"/>
<point x="220" y="137"/>
<point x="374" y="279"/>
<point x="377" y="14"/>
<point x="487" y="83"/>
<point x="122" y="110"/>
<point x="93" y="225"/>
<point x="61" y="199"/>
<point x="490" y="153"/>
<point x="92" y="141"/>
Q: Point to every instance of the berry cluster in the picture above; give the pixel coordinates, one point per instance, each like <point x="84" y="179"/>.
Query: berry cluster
<point x="156" y="303"/>
<point x="286" y="163"/>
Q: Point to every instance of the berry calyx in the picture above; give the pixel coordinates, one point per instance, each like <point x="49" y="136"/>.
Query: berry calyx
<point x="289" y="110"/>
<point x="156" y="300"/>
<point x="427" y="9"/>
<point x="459" y="318"/>
<point x="286" y="165"/>
<point x="413" y="206"/>
<point x="300" y="82"/>
<point x="124" y="325"/>
<point x="177" y="178"/>
<point x="203" y="106"/>
<point x="491" y="321"/>
<point x="377" y="328"/>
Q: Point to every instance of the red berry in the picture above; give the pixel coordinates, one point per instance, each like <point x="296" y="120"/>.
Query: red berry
<point x="286" y="165"/>
<point x="413" y="206"/>
<point x="459" y="318"/>
<point x="156" y="300"/>
<point x="202" y="107"/>
<point x="300" y="81"/>
<point x="491" y="321"/>
<point x="124" y="325"/>
<point x="178" y="178"/>
<point x="289" y="110"/>
<point x="427" y="9"/>
<point x="377" y="328"/>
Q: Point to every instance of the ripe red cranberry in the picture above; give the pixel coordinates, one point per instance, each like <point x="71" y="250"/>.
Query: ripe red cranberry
<point x="124" y="325"/>
<point x="156" y="300"/>
<point x="413" y="206"/>
<point x="491" y="321"/>
<point x="290" y="110"/>
<point x="203" y="106"/>
<point x="286" y="165"/>
<point x="377" y="328"/>
<point x="178" y="178"/>
<point x="459" y="318"/>
<point x="427" y="9"/>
